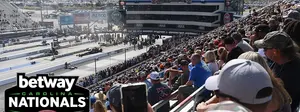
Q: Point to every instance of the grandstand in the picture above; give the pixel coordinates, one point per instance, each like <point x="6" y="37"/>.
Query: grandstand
<point x="13" y="19"/>
<point x="173" y="17"/>
<point x="138" y="23"/>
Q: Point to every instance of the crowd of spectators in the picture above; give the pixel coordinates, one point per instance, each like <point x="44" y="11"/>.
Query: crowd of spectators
<point x="14" y="19"/>
<point x="251" y="64"/>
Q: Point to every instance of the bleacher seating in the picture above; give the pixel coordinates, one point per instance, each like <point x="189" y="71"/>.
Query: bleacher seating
<point x="12" y="18"/>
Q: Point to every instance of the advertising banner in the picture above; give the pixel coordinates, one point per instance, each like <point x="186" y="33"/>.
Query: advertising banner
<point x="47" y="24"/>
<point x="46" y="94"/>
<point x="66" y="20"/>
<point x="81" y="18"/>
<point x="98" y="16"/>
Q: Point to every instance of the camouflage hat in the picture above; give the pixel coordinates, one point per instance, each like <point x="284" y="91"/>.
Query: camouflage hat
<point x="276" y="40"/>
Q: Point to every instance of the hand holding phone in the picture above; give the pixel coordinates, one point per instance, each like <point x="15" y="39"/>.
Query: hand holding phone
<point x="134" y="97"/>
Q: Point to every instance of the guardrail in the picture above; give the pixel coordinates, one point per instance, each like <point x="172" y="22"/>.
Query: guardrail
<point x="18" y="49"/>
<point x="194" y="96"/>
<point x="117" y="74"/>
<point x="14" y="34"/>
<point x="24" y="54"/>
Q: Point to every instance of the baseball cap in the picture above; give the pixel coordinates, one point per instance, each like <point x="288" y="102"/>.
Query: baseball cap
<point x="244" y="80"/>
<point x="93" y="99"/>
<point x="294" y="14"/>
<point x="154" y="76"/>
<point x="114" y="96"/>
<point x="275" y="39"/>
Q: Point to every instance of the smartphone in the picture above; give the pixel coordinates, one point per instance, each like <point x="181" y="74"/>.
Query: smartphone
<point x="134" y="97"/>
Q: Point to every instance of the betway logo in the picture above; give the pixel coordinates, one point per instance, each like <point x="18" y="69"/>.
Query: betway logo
<point x="46" y="82"/>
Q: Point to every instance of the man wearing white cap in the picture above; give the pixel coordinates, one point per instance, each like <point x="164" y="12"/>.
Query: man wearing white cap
<point x="243" y="81"/>
<point x="158" y="91"/>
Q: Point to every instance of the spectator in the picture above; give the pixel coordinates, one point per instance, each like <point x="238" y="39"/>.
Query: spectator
<point x="279" y="48"/>
<point x="222" y="53"/>
<point x="93" y="100"/>
<point x="210" y="59"/>
<point x="241" y="43"/>
<point x="184" y="77"/>
<point x="234" y="51"/>
<point x="242" y="32"/>
<point x="273" y="24"/>
<point x="100" y="96"/>
<point x="293" y="14"/>
<point x="145" y="80"/>
<point x="99" y="107"/>
<point x="293" y="30"/>
<point x="158" y="92"/>
<point x="281" y="100"/>
<point x="114" y="98"/>
<point x="199" y="72"/>
<point x="235" y="83"/>
<point x="259" y="32"/>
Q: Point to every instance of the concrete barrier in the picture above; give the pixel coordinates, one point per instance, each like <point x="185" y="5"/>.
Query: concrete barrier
<point x="62" y="65"/>
<point x="24" y="54"/>
<point x="12" y="50"/>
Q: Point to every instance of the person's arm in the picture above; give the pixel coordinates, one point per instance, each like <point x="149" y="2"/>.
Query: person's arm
<point x="176" y="85"/>
<point x="212" y="100"/>
<point x="191" y="78"/>
<point x="189" y="83"/>
<point x="175" y="70"/>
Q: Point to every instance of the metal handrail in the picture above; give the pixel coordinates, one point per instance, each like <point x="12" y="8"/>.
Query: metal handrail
<point x="119" y="73"/>
<point x="161" y="103"/>
<point x="186" y="101"/>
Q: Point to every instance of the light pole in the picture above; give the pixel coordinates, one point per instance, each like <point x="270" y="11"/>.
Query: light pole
<point x="125" y="62"/>
<point x="96" y="66"/>
<point x="41" y="3"/>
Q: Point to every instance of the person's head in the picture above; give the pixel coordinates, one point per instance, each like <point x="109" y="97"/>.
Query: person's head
<point x="211" y="46"/>
<point x="198" y="52"/>
<point x="184" y="65"/>
<point x="237" y="37"/>
<point x="293" y="14"/>
<point x="114" y="98"/>
<point x="292" y="28"/>
<point x="154" y="76"/>
<point x="260" y="31"/>
<point x="253" y="56"/>
<point x="143" y="75"/>
<point x="167" y="65"/>
<point x="210" y="56"/>
<point x="241" y="32"/>
<point x="93" y="100"/>
<point x="195" y="58"/>
<point x="99" y="107"/>
<point x="236" y="82"/>
<point x="273" y="24"/>
<point x="229" y="43"/>
<point x="100" y="96"/>
<point x="222" y="53"/>
<point x="278" y="47"/>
